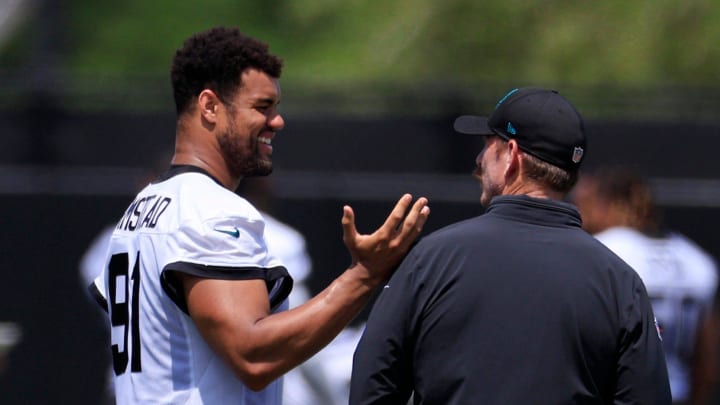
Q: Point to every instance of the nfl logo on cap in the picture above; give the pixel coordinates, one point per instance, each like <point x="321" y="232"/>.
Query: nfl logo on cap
<point x="577" y="154"/>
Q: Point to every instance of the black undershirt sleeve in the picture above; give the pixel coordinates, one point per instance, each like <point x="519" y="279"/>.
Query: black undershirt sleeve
<point x="278" y="280"/>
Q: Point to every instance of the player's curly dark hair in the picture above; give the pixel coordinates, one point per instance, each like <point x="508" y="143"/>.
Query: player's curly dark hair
<point x="631" y="190"/>
<point x="215" y="59"/>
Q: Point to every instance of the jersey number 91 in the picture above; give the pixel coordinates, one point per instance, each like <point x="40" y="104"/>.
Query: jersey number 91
<point x="124" y="312"/>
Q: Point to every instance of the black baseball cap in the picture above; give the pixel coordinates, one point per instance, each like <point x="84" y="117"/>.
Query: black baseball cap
<point x="543" y="123"/>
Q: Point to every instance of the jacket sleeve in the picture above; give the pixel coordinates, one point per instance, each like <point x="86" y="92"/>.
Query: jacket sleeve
<point x="641" y="370"/>
<point x="382" y="366"/>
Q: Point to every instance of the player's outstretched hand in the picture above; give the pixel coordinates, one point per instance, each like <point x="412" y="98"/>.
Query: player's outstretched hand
<point x="379" y="253"/>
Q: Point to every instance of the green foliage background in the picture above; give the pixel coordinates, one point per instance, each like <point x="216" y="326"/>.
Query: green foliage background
<point x="336" y="46"/>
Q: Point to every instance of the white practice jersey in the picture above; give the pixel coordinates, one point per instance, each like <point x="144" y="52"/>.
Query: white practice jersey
<point x="681" y="280"/>
<point x="186" y="223"/>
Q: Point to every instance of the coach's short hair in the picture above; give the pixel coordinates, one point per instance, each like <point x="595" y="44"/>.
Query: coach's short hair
<point x="215" y="59"/>
<point x="555" y="178"/>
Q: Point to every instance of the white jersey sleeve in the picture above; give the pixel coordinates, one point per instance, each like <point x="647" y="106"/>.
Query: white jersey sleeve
<point x="231" y="248"/>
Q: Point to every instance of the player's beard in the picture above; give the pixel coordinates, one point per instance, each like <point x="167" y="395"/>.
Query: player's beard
<point x="241" y="154"/>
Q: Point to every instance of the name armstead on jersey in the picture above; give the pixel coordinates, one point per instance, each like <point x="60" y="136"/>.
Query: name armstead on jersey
<point x="144" y="212"/>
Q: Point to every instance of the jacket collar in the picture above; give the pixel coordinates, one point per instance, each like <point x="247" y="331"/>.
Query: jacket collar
<point x="535" y="210"/>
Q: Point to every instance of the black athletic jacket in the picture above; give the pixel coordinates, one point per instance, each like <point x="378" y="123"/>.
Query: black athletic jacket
<point x="516" y="306"/>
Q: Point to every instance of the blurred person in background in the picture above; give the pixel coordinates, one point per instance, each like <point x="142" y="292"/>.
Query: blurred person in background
<point x="618" y="208"/>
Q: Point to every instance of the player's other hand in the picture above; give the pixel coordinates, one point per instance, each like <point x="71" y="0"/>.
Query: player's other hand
<point x="379" y="253"/>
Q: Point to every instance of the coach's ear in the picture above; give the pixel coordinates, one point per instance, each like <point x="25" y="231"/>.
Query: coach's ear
<point x="209" y="104"/>
<point x="513" y="159"/>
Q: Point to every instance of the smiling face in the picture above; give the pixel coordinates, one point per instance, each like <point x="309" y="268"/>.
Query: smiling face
<point x="252" y="120"/>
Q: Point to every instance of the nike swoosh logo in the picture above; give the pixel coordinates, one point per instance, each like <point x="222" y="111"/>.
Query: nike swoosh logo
<point x="228" y="230"/>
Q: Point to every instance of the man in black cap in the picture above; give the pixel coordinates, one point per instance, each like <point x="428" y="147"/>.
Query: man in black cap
<point x="519" y="305"/>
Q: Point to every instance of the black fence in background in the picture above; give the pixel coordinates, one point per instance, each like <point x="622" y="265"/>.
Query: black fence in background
<point x="64" y="176"/>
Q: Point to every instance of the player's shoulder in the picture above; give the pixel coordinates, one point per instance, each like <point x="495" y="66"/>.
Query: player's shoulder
<point x="620" y="236"/>
<point x="682" y="242"/>
<point x="690" y="252"/>
<point x="200" y="196"/>
<point x="193" y="185"/>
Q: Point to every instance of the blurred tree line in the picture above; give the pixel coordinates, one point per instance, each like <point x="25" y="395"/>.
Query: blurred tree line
<point x="372" y="46"/>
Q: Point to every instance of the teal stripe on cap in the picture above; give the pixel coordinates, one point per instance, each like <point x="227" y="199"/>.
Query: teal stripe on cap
<point x="510" y="93"/>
